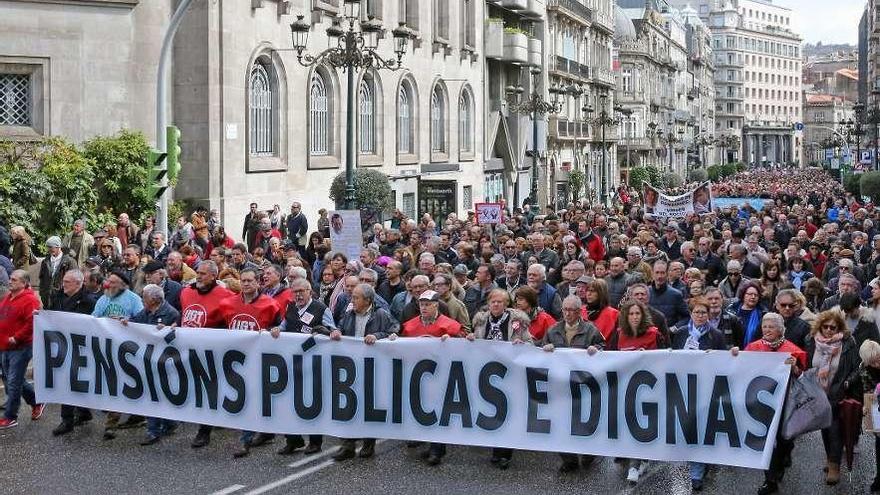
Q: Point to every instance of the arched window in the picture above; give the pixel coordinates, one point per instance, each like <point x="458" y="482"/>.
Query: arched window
<point x="367" y="117"/>
<point x="405" y="119"/>
<point x="263" y="109"/>
<point x="320" y="130"/>
<point x="465" y="123"/>
<point x="438" y="121"/>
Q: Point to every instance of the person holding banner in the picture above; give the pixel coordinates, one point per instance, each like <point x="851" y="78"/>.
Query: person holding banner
<point x="574" y="332"/>
<point x="364" y="320"/>
<point x="773" y="340"/>
<point x="250" y="311"/>
<point x="430" y="323"/>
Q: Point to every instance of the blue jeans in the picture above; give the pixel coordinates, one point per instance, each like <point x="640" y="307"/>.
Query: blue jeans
<point x="14" y="365"/>
<point x="156" y="427"/>
<point x="697" y="470"/>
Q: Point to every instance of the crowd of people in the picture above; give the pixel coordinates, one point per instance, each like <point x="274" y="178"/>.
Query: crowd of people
<point x="798" y="277"/>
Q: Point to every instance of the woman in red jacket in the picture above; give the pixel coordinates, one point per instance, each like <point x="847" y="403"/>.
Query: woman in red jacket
<point x="597" y="309"/>
<point x="526" y="300"/>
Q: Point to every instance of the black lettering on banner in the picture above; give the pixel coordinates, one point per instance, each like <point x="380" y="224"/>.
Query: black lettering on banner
<point x="148" y="371"/>
<point x="173" y="355"/>
<point x="649" y="409"/>
<point x="493" y="395"/>
<point x="397" y="391"/>
<point x="613" y="393"/>
<point x="270" y="363"/>
<point x="720" y="402"/>
<point x="456" y="386"/>
<point x="340" y="388"/>
<point x="372" y="414"/>
<point x="235" y="380"/>
<point x="130" y="348"/>
<point x="537" y="398"/>
<point x="204" y="378"/>
<point x="421" y="416"/>
<point x="56" y="360"/>
<point x="77" y="361"/>
<point x="684" y="412"/>
<point x="105" y="369"/>
<point x="299" y="404"/>
<point x="577" y="380"/>
<point x="759" y="411"/>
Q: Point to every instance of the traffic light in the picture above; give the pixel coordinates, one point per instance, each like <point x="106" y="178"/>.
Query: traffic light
<point x="156" y="173"/>
<point x="172" y="136"/>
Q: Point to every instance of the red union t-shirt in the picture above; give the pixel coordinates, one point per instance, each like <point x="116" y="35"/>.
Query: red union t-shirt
<point x="260" y="314"/>
<point x="203" y="310"/>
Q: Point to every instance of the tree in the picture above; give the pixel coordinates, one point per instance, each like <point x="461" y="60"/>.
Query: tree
<point x="638" y="175"/>
<point x="121" y="175"/>
<point x="699" y="175"/>
<point x="870" y="185"/>
<point x="853" y="184"/>
<point x="576" y="180"/>
<point x="372" y="189"/>
<point x="671" y="179"/>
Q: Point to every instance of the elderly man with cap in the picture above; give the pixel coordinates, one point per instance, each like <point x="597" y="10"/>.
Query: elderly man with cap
<point x="155" y="273"/>
<point x="78" y="243"/>
<point x="430" y="323"/>
<point x="846" y="284"/>
<point x="636" y="267"/>
<point x="52" y="270"/>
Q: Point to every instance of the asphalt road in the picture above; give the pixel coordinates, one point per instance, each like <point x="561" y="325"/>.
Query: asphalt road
<point x="34" y="462"/>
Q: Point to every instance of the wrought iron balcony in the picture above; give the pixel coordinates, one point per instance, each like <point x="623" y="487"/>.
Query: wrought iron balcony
<point x="572" y="8"/>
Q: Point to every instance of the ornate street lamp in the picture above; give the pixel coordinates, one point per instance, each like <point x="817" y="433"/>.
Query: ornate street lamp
<point x="604" y="119"/>
<point x="537" y="107"/>
<point x="355" y="48"/>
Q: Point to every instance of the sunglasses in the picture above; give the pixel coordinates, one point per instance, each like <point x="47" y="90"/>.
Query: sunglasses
<point x="829" y="327"/>
<point x="787" y="305"/>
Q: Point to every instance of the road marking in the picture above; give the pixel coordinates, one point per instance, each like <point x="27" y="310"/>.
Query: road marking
<point x="229" y="489"/>
<point x="292" y="477"/>
<point x="312" y="458"/>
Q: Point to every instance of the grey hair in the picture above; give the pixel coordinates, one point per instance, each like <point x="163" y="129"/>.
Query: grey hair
<point x="422" y="278"/>
<point x="77" y="274"/>
<point x="686" y="246"/>
<point x="427" y="256"/>
<point x="300" y="282"/>
<point x="208" y="263"/>
<point x="574" y="300"/>
<point x="792" y="293"/>
<point x="542" y="270"/>
<point x="498" y="258"/>
<point x="298" y="273"/>
<point x="367" y="291"/>
<point x="370" y="273"/>
<point x="153" y="292"/>
<point x="432" y="242"/>
<point x="777" y="320"/>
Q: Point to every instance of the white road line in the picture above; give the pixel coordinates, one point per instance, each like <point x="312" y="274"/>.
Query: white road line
<point x="292" y="477"/>
<point x="312" y="458"/>
<point x="229" y="489"/>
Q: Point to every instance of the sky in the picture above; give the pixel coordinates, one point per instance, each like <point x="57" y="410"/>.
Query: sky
<point x="828" y="21"/>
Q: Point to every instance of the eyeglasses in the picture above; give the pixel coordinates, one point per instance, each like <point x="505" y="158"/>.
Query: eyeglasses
<point x="787" y="305"/>
<point x="734" y="273"/>
<point x="829" y="326"/>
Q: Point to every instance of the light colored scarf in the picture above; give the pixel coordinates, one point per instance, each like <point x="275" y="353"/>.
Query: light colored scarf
<point x="695" y="333"/>
<point x="826" y="358"/>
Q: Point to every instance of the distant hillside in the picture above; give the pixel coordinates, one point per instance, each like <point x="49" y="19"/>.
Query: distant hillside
<point x="820" y="49"/>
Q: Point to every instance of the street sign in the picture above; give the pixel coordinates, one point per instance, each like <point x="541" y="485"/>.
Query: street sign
<point x="829" y="154"/>
<point x="489" y="213"/>
<point x="835" y="163"/>
<point x="799" y="126"/>
<point x="866" y="157"/>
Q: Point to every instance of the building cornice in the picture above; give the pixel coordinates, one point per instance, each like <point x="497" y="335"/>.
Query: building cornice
<point x="86" y="3"/>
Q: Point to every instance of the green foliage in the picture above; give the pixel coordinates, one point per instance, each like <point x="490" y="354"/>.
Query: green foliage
<point x="371" y="189"/>
<point x="740" y="167"/>
<point x="514" y="30"/>
<point x="671" y="179"/>
<point x="727" y="170"/>
<point x="637" y="175"/>
<point x="870" y="185"/>
<point x="121" y="175"/>
<point x="576" y="180"/>
<point x="714" y="172"/>
<point x="699" y="175"/>
<point x="655" y="176"/>
<point x="852" y="184"/>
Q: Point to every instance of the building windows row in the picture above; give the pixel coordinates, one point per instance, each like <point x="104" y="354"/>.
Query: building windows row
<point x="265" y="124"/>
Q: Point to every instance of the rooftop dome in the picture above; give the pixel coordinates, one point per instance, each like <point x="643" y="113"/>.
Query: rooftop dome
<point x="624" y="30"/>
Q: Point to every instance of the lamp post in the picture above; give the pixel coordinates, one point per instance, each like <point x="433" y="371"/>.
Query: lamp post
<point x="604" y="119"/>
<point x="355" y="48"/>
<point x="651" y="133"/>
<point x="537" y="107"/>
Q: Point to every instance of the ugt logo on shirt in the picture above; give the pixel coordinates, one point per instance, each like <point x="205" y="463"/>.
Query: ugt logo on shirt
<point x="194" y="316"/>
<point x="243" y="322"/>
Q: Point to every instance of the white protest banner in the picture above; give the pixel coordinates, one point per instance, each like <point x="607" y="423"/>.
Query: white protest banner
<point x="489" y="213"/>
<point x="345" y="233"/>
<point x="670" y="406"/>
<point x="697" y="200"/>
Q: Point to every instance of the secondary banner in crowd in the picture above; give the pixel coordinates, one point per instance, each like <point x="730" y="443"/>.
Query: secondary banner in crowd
<point x="658" y="204"/>
<point x="661" y="405"/>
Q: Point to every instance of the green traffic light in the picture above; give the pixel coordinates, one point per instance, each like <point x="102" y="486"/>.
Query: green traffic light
<point x="172" y="136"/>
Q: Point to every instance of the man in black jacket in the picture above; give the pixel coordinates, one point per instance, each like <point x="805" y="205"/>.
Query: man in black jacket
<point x="296" y="226"/>
<point x="72" y="298"/>
<point x="251" y="226"/>
<point x="155" y="273"/>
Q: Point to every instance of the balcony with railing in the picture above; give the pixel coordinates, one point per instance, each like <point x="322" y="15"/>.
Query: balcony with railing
<point x="571" y="8"/>
<point x="729" y="95"/>
<point x="722" y="62"/>
<point x="611" y="133"/>
<point x="602" y="75"/>
<point x="568" y="67"/>
<point x="633" y="97"/>
<point x="605" y="21"/>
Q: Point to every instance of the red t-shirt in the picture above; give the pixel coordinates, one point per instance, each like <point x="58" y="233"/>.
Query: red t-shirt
<point x="606" y="322"/>
<point x="283" y="298"/>
<point x="647" y="341"/>
<point x="260" y="314"/>
<point x="443" y="325"/>
<point x="17" y="319"/>
<point x="203" y="310"/>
